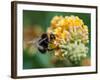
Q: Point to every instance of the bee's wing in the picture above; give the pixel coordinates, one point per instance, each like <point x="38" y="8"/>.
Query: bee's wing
<point x="34" y="41"/>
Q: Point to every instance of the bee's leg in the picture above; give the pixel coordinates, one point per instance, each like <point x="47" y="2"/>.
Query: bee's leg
<point x="51" y="49"/>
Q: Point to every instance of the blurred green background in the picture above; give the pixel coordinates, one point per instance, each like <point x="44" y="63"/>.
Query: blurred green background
<point x="34" y="24"/>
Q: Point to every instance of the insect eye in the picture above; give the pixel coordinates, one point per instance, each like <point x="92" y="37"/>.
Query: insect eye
<point x="52" y="36"/>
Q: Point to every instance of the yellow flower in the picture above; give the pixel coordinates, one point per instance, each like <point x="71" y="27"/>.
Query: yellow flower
<point x="55" y="20"/>
<point x="85" y="28"/>
<point x="68" y="27"/>
<point x="58" y="30"/>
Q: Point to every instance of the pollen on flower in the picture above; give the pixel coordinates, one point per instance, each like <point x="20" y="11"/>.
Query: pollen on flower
<point x="71" y="37"/>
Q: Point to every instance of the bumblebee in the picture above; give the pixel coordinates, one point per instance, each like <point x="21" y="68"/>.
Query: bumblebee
<point x="44" y="41"/>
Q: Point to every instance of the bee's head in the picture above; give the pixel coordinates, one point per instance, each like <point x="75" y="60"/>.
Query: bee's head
<point x="49" y="36"/>
<point x="52" y="36"/>
<point x="44" y="35"/>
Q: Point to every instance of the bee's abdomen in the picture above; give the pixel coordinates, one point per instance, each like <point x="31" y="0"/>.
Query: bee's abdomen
<point x="42" y="50"/>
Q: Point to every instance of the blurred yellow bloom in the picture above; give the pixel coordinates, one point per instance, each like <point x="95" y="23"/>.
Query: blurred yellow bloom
<point x="68" y="28"/>
<point x="55" y="21"/>
<point x="85" y="27"/>
<point x="58" y="30"/>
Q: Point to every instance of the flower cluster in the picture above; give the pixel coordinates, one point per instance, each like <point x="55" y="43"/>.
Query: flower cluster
<point x="72" y="36"/>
